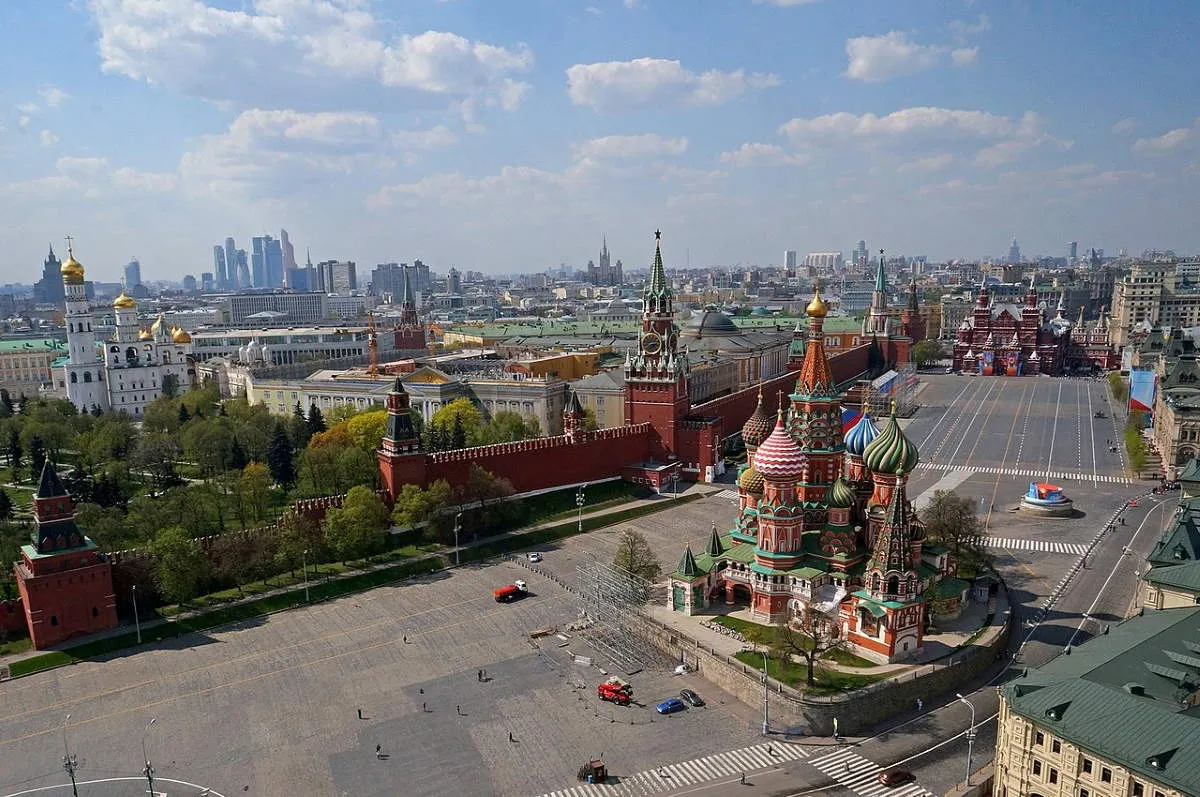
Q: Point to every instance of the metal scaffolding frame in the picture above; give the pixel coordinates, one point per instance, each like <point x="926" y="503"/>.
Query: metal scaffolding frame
<point x="614" y="600"/>
<point x="903" y="391"/>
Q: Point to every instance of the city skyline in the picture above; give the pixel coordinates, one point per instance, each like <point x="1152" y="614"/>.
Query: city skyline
<point x="510" y="141"/>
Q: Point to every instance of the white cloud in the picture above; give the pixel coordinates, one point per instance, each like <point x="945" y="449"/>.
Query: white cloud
<point x="23" y="121"/>
<point x="595" y="12"/>
<point x="631" y="3"/>
<point x="964" y="30"/>
<point x="1170" y="141"/>
<point x="615" y="86"/>
<point x="433" y="138"/>
<point x="76" y="178"/>
<point x="875" y="59"/>
<point x="754" y="153"/>
<point x="315" y="53"/>
<point x="933" y="163"/>
<point x="640" y="146"/>
<point x="53" y="97"/>
<point x="47" y="138"/>
<point x="1124" y="127"/>
<point x="28" y="108"/>
<point x="964" y="55"/>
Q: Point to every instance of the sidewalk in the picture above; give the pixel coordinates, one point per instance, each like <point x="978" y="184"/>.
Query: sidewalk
<point x="446" y="554"/>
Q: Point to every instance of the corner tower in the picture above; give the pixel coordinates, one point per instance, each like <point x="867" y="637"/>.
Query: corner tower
<point x="656" y="377"/>
<point x="64" y="580"/>
<point x="400" y="458"/>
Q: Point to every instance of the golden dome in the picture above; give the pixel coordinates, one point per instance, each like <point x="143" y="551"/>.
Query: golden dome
<point x="71" y="270"/>
<point x="180" y="335"/>
<point x="145" y="335"/>
<point x="124" y="302"/>
<point x="817" y="307"/>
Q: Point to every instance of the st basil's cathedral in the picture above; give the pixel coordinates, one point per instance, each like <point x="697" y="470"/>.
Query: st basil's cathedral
<point x="824" y="524"/>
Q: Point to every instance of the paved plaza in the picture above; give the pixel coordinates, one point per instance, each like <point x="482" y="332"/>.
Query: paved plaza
<point x="270" y="706"/>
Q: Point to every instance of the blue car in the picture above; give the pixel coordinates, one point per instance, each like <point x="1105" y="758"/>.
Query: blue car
<point x="670" y="706"/>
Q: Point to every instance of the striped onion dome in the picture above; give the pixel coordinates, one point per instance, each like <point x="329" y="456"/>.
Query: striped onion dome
<point x="891" y="452"/>
<point x="840" y="494"/>
<point x="751" y="481"/>
<point x="779" y="458"/>
<point x="757" y="426"/>
<point x="860" y="435"/>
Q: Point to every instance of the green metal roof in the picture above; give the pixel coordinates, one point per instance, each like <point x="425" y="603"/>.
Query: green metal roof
<point x="555" y="327"/>
<point x="1123" y="695"/>
<point x="951" y="587"/>
<point x="1185" y="576"/>
<point x="31" y="346"/>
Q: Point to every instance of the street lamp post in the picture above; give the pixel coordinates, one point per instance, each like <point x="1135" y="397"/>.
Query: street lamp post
<point x="766" y="716"/>
<point x="579" y="499"/>
<point x="970" y="736"/>
<point x="136" y="621"/>
<point x="69" y="762"/>
<point x="457" y="528"/>
<point x="304" y="567"/>
<point x="148" y="771"/>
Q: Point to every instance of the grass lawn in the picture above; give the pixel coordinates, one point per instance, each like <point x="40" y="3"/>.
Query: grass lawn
<point x="848" y="659"/>
<point x="15" y="646"/>
<point x="763" y="634"/>
<point x="796" y="675"/>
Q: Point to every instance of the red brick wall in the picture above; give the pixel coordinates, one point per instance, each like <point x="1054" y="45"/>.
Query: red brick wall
<point x="64" y="604"/>
<point x="12" y="616"/>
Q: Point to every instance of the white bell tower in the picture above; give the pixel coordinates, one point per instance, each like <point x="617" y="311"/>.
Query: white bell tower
<point x="84" y="371"/>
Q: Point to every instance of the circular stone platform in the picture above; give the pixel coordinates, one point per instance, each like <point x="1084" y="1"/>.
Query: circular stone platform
<point x="1047" y="500"/>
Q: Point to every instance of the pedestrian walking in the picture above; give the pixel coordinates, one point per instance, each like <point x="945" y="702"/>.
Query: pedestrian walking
<point x="847" y="767"/>
<point x="770" y="750"/>
<point x="378" y="751"/>
<point x="479" y="676"/>
<point x="406" y="639"/>
<point x="423" y="709"/>
<point x="920" y="704"/>
<point x="743" y="778"/>
<point x="510" y="737"/>
<point x="360" y="713"/>
<point x="458" y="710"/>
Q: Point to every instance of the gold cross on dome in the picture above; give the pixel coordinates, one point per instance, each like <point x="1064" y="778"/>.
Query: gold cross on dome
<point x="70" y="239"/>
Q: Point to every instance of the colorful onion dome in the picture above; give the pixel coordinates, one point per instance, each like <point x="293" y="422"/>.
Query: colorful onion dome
<point x="817" y="307"/>
<point x="861" y="435"/>
<point x="71" y="270"/>
<point x="751" y="481"/>
<point x="124" y="302"/>
<point x="840" y="494"/>
<point x="891" y="452"/>
<point x="180" y="335"/>
<point x="779" y="458"/>
<point x="758" y="425"/>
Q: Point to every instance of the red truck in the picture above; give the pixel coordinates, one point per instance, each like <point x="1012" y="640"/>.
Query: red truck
<point x="511" y="592"/>
<point x="613" y="694"/>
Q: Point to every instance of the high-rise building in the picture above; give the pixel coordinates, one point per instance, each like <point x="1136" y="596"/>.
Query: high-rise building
<point x="219" y="264"/>
<point x="231" y="262"/>
<point x="1153" y="294"/>
<point x="289" y="251"/>
<point x="1072" y="253"/>
<point x="823" y="261"/>
<point x="266" y="262"/>
<point x="453" y="281"/>
<point x="861" y="258"/>
<point x="133" y="276"/>
<point x="258" y="261"/>
<point x="789" y="261"/>
<point x="422" y="279"/>
<point x="207" y="283"/>
<point x="49" y="289"/>
<point x="1014" y="252"/>
<point x="387" y="279"/>
<point x="335" y="276"/>
<point x="604" y="274"/>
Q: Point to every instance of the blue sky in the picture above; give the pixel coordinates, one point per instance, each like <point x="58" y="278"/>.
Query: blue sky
<point x="509" y="135"/>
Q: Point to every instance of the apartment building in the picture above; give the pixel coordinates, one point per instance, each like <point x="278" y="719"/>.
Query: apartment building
<point x="1156" y="293"/>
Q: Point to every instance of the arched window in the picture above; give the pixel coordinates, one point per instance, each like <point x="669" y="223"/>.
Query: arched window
<point x="87" y="376"/>
<point x="893" y="585"/>
<point x="74" y="378"/>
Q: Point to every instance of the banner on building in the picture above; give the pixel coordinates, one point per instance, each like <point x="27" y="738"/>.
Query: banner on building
<point x="987" y="363"/>
<point x="850" y="417"/>
<point x="1142" y="385"/>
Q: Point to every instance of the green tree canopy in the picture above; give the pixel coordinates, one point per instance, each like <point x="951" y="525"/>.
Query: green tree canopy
<point x="460" y="418"/>
<point x="355" y="530"/>
<point x="180" y="566"/>
<point x="635" y="555"/>
<point x="927" y="351"/>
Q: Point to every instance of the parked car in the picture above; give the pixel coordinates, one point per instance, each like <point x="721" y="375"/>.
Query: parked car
<point x="896" y="777"/>
<point x="691" y="698"/>
<point x="534" y="556"/>
<point x="670" y="706"/>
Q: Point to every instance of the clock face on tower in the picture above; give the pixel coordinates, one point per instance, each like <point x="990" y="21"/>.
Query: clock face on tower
<point x="672" y="341"/>
<point x="651" y="343"/>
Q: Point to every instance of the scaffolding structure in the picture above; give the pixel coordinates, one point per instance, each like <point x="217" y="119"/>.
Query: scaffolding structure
<point x="614" y="600"/>
<point x="899" y="386"/>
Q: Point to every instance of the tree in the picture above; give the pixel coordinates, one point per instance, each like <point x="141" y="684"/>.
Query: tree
<point x="809" y="636"/>
<point x="181" y="566"/>
<point x="459" y="423"/>
<point x="14" y="451"/>
<point x="1118" y="387"/>
<point x="255" y="484"/>
<point x="635" y="555"/>
<point x="507" y="427"/>
<point x="155" y="457"/>
<point x="170" y="386"/>
<point x="298" y="534"/>
<point x="184" y="415"/>
<point x="1135" y="444"/>
<point x="367" y="429"/>
<point x="6" y="403"/>
<point x="950" y="520"/>
<point x="590" y="424"/>
<point x="237" y="455"/>
<point x="927" y="351"/>
<point x="316" y="423"/>
<point x="37" y="458"/>
<point x="280" y="458"/>
<point x="354" y="530"/>
<point x="6" y="505"/>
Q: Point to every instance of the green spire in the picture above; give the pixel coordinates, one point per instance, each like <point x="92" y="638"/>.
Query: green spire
<point x="880" y="277"/>
<point x="657" y="288"/>
<point x="715" y="548"/>
<point x="687" y="565"/>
